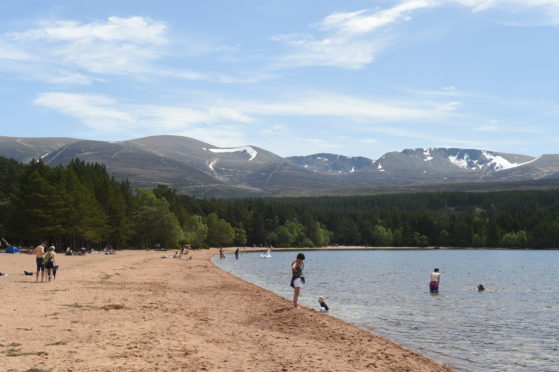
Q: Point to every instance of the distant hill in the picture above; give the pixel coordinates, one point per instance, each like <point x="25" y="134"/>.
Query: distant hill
<point x="26" y="149"/>
<point x="332" y="163"/>
<point x="201" y="169"/>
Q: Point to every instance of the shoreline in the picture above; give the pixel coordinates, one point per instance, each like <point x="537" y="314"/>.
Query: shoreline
<point x="366" y="248"/>
<point x="136" y="311"/>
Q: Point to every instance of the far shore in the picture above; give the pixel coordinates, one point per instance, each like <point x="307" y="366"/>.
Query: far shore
<point x="137" y="311"/>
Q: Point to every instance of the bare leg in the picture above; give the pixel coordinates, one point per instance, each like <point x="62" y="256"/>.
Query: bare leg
<point x="296" y="291"/>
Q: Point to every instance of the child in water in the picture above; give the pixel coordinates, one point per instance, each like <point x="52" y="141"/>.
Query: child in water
<point x="323" y="306"/>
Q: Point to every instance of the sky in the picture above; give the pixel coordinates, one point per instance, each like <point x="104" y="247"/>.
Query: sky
<point x="351" y="77"/>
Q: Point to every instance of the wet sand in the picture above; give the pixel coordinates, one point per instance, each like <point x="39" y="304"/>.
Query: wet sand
<point x="138" y="312"/>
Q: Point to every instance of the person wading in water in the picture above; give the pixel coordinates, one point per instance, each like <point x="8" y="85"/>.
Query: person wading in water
<point x="297" y="278"/>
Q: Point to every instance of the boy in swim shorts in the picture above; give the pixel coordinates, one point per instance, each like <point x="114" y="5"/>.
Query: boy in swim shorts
<point x="39" y="253"/>
<point x="435" y="280"/>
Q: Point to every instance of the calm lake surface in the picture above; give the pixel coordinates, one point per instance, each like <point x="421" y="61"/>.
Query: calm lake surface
<point x="513" y="326"/>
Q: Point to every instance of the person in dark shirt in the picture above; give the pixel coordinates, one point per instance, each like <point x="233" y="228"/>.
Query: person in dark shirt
<point x="297" y="277"/>
<point x="322" y="302"/>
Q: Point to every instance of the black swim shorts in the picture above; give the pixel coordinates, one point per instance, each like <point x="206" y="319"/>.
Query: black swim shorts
<point x="40" y="266"/>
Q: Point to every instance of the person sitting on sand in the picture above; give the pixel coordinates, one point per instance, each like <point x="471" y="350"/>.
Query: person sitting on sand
<point x="69" y="251"/>
<point x="435" y="280"/>
<point x="39" y="253"/>
<point x="297" y="277"/>
<point x="480" y="288"/>
<point x="50" y="262"/>
<point x="186" y="249"/>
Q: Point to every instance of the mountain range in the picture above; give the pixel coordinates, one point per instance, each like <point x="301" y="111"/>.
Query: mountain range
<point x="201" y="169"/>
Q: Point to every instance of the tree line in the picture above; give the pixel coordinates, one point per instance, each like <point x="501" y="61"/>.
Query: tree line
<point x="80" y="204"/>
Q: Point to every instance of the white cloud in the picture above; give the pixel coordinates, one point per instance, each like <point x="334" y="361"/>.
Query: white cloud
<point x="440" y="141"/>
<point x="335" y="51"/>
<point x="95" y="111"/>
<point x="136" y="30"/>
<point x="450" y="106"/>
<point x="101" y="112"/>
<point x="324" y="104"/>
<point x="105" y="114"/>
<point x="12" y="53"/>
<point x="480" y="5"/>
<point x="116" y="46"/>
<point x="368" y="140"/>
<point x="449" y="91"/>
<point x="351" y="40"/>
<point x="319" y="143"/>
<point x="364" y="21"/>
<point x="491" y="126"/>
<point x="73" y="52"/>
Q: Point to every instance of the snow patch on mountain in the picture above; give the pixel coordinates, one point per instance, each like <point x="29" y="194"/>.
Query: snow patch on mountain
<point x="483" y="161"/>
<point x="248" y="149"/>
<point x="44" y="156"/>
<point x="211" y="166"/>
<point x="427" y="155"/>
<point x="499" y="163"/>
<point x="462" y="163"/>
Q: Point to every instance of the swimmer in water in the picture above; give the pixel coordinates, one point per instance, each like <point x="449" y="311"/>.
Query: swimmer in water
<point x="480" y="288"/>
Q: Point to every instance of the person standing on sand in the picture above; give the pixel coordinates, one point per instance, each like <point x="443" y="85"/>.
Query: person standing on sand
<point x="39" y="253"/>
<point x="435" y="280"/>
<point x="50" y="262"/>
<point x="297" y="277"/>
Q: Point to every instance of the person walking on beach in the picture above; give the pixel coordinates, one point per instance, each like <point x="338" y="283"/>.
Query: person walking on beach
<point x="435" y="280"/>
<point x="50" y="262"/>
<point x="297" y="277"/>
<point x="39" y="253"/>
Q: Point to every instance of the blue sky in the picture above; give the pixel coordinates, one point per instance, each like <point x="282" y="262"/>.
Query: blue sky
<point x="352" y="77"/>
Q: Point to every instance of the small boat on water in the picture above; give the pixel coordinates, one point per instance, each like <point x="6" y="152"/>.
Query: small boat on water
<point x="268" y="254"/>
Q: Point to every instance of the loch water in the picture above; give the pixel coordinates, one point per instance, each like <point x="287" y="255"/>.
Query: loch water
<point x="512" y="326"/>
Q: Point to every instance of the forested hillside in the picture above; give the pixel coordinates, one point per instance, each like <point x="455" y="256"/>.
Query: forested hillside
<point x="81" y="205"/>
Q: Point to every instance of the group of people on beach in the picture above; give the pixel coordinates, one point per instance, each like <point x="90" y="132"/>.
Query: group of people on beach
<point x="183" y="253"/>
<point x="45" y="259"/>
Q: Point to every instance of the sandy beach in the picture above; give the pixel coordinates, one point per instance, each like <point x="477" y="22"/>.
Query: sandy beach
<point x="138" y="312"/>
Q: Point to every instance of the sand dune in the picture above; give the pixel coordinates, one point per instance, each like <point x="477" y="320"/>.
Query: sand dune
<point x="138" y="312"/>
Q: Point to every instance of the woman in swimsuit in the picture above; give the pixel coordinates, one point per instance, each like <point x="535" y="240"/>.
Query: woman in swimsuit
<point x="50" y="263"/>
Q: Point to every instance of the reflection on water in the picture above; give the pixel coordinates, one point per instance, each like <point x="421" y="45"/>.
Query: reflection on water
<point x="512" y="326"/>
